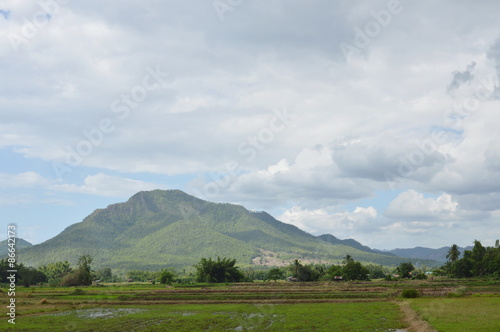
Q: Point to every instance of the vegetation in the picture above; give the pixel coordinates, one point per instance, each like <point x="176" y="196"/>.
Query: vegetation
<point x="410" y="293"/>
<point x="258" y="306"/>
<point x="478" y="262"/>
<point x="405" y="270"/>
<point x="460" y="314"/>
<point x="167" y="277"/>
<point x="168" y="227"/>
<point x="275" y="274"/>
<point x="25" y="276"/>
<point x="83" y="275"/>
<point x="208" y="270"/>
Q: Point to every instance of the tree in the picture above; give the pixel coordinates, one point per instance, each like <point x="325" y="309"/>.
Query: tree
<point x="354" y="271"/>
<point x="334" y="271"/>
<point x="167" y="277"/>
<point x="348" y="259"/>
<point x="30" y="276"/>
<point x="405" y="270"/>
<point x="453" y="253"/>
<point x="56" y="271"/>
<point x="295" y="267"/>
<point x="104" y="274"/>
<point x="84" y="270"/>
<point x="82" y="275"/>
<point x="275" y="274"/>
<point x="208" y="270"/>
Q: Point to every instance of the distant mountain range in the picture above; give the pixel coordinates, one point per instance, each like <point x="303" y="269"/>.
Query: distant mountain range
<point x="169" y="228"/>
<point x="438" y="255"/>
<point x="20" y="244"/>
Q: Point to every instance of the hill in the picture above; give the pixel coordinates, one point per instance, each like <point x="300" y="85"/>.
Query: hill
<point x="352" y="243"/>
<point x="20" y="244"/>
<point x="438" y="255"/>
<point x="169" y="228"/>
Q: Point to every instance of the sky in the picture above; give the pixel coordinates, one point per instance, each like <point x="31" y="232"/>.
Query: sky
<point x="371" y="120"/>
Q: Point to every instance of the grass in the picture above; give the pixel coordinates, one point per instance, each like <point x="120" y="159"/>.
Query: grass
<point x="460" y="314"/>
<point x="448" y="305"/>
<point x="373" y="316"/>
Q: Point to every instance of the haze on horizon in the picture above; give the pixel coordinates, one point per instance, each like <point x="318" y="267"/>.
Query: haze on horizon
<point x="372" y="120"/>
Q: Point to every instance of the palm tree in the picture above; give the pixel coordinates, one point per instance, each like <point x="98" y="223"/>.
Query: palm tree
<point x="453" y="253"/>
<point x="296" y="267"/>
<point x="347" y="259"/>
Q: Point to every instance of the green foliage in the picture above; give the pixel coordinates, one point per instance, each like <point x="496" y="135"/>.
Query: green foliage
<point x="479" y="262"/>
<point x="376" y="271"/>
<point x="25" y="276"/>
<point x="143" y="276"/>
<point x="167" y="277"/>
<point x="275" y="274"/>
<point x="410" y="293"/>
<point x="82" y="276"/>
<point x="105" y="275"/>
<point x="56" y="271"/>
<point x="453" y="253"/>
<point x="208" y="270"/>
<point x="355" y="271"/>
<point x="405" y="270"/>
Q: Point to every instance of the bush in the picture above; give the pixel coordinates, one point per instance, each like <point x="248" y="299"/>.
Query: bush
<point x="167" y="277"/>
<point x="71" y="279"/>
<point x="78" y="291"/>
<point x="410" y="293"/>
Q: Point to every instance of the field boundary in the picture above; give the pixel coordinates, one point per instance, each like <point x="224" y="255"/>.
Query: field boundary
<point x="412" y="318"/>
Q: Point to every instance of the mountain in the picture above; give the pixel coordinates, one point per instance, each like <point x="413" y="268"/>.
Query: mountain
<point x="169" y="228"/>
<point x="352" y="243"/>
<point x="425" y="253"/>
<point x="20" y="244"/>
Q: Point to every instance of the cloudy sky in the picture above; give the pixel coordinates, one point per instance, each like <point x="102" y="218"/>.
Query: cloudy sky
<point x="372" y="120"/>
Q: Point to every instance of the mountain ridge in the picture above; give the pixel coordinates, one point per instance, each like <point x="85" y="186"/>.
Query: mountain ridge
<point x="169" y="228"/>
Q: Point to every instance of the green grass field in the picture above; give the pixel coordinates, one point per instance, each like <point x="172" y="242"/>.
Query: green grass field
<point x="460" y="314"/>
<point x="372" y="316"/>
<point x="448" y="305"/>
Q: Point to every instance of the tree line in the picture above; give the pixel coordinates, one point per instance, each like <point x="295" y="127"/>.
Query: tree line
<point x="479" y="262"/>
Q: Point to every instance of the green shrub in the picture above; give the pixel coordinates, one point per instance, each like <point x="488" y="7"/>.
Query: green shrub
<point x="410" y="293"/>
<point x="78" y="291"/>
<point x="459" y="292"/>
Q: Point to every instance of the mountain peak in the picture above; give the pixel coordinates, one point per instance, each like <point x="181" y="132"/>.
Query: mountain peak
<point x="169" y="228"/>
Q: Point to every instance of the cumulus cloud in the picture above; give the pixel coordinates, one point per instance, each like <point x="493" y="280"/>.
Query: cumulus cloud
<point x="412" y="205"/>
<point x="356" y="121"/>
<point x="343" y="224"/>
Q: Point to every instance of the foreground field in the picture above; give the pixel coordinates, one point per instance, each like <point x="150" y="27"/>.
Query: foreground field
<point x="460" y="314"/>
<point x="380" y="316"/>
<point x="368" y="306"/>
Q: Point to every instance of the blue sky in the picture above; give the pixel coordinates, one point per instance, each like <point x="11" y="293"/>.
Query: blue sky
<point x="372" y="120"/>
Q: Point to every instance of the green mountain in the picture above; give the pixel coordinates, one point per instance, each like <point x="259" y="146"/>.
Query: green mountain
<point x="426" y="253"/>
<point x="157" y="229"/>
<point x="20" y="244"/>
<point x="352" y="243"/>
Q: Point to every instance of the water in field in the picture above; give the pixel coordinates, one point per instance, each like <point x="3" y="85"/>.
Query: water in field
<point x="100" y="312"/>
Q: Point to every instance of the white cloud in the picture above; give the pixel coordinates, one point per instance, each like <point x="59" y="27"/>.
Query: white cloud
<point x="355" y="120"/>
<point x="106" y="185"/>
<point x="22" y="180"/>
<point x="413" y="206"/>
<point x="342" y="224"/>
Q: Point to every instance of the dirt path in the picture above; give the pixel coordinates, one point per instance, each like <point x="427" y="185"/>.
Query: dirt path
<point x="413" y="320"/>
